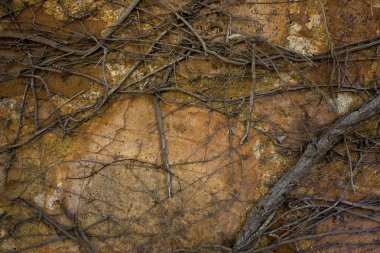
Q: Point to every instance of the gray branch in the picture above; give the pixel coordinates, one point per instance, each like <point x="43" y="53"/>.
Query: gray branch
<point x="313" y="153"/>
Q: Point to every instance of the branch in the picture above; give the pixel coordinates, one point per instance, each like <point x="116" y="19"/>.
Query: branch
<point x="42" y="40"/>
<point x="251" y="97"/>
<point x="164" y="152"/>
<point x="313" y="153"/>
<point x="110" y="30"/>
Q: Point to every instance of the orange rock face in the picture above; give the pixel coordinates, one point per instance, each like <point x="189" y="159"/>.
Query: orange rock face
<point x="106" y="180"/>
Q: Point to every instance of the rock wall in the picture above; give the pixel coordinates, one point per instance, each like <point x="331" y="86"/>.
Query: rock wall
<point x="106" y="176"/>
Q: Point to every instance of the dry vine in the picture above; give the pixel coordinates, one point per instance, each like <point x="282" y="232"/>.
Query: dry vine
<point x="34" y="55"/>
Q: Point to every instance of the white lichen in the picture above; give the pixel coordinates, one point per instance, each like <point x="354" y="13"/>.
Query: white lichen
<point x="40" y="199"/>
<point x="343" y="103"/>
<point x="50" y="200"/>
<point x="294" y="29"/>
<point x="299" y="43"/>
<point x="315" y="21"/>
<point x="256" y="149"/>
<point x="116" y="71"/>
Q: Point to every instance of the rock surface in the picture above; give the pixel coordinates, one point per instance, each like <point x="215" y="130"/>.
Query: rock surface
<point x="110" y="167"/>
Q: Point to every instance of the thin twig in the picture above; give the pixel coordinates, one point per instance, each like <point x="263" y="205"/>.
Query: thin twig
<point x="164" y="152"/>
<point x="349" y="165"/>
<point x="251" y="97"/>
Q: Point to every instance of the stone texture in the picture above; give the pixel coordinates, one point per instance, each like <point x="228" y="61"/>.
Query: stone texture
<point x="108" y="166"/>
